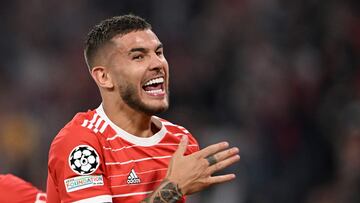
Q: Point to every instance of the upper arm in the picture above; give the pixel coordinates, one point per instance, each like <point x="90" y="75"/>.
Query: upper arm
<point x="76" y="167"/>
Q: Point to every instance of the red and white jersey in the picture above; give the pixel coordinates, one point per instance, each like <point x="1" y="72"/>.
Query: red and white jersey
<point x="15" y="190"/>
<point x="93" y="160"/>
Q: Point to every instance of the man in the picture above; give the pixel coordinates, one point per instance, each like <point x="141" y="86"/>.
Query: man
<point x="15" y="190"/>
<point x="120" y="152"/>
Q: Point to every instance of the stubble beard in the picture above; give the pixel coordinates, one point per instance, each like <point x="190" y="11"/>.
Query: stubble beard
<point x="131" y="97"/>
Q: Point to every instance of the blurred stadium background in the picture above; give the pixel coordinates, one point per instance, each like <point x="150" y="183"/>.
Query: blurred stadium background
<point x="280" y="79"/>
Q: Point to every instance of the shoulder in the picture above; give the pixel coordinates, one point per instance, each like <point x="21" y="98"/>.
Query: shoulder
<point x="177" y="130"/>
<point x="15" y="189"/>
<point x="174" y="128"/>
<point x="11" y="180"/>
<point x="76" y="160"/>
<point x="75" y="134"/>
<point x="75" y="131"/>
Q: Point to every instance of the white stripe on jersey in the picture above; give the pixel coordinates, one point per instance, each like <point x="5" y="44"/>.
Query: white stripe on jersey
<point x="99" y="122"/>
<point x="118" y="149"/>
<point x="90" y="126"/>
<point x="40" y="198"/>
<point x="127" y="185"/>
<point x="183" y="129"/>
<point x="101" y="198"/>
<point x="113" y="137"/>
<point x="168" y="123"/>
<point x="160" y="144"/>
<point x="143" y="172"/>
<point x="174" y="144"/>
<point x="137" y="160"/>
<point x="84" y="124"/>
<point x="102" y="129"/>
<point x="132" y="194"/>
<point x="178" y="134"/>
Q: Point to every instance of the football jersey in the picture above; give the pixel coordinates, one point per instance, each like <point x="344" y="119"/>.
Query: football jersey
<point x="16" y="190"/>
<point x="93" y="160"/>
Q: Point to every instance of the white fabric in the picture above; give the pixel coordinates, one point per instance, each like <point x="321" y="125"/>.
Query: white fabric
<point x="97" y="199"/>
<point x="140" y="141"/>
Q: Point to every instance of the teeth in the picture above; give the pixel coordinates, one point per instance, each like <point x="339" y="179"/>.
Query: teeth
<point x="155" y="91"/>
<point x="154" y="81"/>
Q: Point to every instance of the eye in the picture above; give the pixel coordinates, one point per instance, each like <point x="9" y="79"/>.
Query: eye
<point x="138" y="57"/>
<point x="159" y="52"/>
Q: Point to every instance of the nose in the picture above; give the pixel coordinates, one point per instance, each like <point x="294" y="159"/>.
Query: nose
<point x="157" y="62"/>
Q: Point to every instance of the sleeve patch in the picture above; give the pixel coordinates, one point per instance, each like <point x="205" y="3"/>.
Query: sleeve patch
<point x="82" y="182"/>
<point x="84" y="160"/>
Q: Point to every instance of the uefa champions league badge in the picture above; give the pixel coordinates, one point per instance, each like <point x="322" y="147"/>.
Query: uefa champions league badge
<point x="84" y="160"/>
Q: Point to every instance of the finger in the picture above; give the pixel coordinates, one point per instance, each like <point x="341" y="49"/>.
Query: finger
<point x="226" y="154"/>
<point x="182" y="146"/>
<point x="221" y="178"/>
<point x="223" y="164"/>
<point x="212" y="149"/>
<point x="211" y="160"/>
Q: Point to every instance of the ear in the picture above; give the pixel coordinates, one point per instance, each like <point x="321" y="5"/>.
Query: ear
<point x="102" y="77"/>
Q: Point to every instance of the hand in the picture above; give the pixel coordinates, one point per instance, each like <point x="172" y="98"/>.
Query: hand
<point x="192" y="173"/>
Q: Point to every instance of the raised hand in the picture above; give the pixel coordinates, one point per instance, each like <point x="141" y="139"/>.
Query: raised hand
<point x="193" y="173"/>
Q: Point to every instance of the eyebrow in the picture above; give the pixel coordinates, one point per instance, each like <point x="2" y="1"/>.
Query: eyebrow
<point x="160" y="46"/>
<point x="144" y="50"/>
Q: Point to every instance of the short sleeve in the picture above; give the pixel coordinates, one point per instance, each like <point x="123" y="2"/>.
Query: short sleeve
<point x="15" y="189"/>
<point x="76" y="170"/>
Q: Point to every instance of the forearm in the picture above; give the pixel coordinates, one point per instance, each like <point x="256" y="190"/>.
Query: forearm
<point x="167" y="192"/>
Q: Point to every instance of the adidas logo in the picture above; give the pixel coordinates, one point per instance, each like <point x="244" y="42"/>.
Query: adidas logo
<point x="133" y="178"/>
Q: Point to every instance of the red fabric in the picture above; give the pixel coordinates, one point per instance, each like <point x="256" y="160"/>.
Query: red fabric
<point x="16" y="190"/>
<point x="117" y="159"/>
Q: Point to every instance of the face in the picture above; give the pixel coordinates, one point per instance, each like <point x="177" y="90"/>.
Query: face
<point x="140" y="71"/>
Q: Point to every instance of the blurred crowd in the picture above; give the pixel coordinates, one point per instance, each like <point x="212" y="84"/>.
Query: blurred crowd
<point x="279" y="79"/>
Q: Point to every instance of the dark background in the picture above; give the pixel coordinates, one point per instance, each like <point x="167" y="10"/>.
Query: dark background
<point x="279" y="79"/>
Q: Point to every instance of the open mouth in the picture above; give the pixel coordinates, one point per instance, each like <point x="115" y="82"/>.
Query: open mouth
<point x="154" y="86"/>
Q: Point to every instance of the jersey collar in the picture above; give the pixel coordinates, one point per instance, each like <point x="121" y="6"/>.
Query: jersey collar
<point x="141" y="141"/>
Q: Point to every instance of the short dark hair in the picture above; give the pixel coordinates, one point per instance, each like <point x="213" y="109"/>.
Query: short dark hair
<point x="103" y="32"/>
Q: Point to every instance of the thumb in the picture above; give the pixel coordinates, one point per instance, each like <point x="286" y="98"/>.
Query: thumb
<point x="182" y="146"/>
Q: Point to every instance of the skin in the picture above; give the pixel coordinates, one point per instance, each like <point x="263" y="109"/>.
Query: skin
<point x="193" y="173"/>
<point x="130" y="61"/>
<point x="124" y="65"/>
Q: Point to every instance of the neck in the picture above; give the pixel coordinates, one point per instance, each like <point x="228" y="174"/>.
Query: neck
<point x="130" y="120"/>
